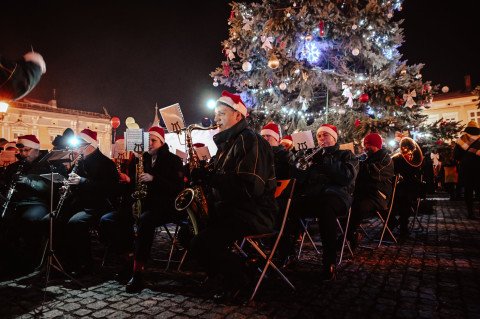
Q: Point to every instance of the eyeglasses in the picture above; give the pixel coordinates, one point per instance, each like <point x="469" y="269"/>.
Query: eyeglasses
<point x="24" y="150"/>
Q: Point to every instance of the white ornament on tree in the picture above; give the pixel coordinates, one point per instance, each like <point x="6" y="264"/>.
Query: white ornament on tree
<point x="355" y="51"/>
<point x="354" y="27"/>
<point x="445" y="89"/>
<point x="282" y="86"/>
<point x="247" y="66"/>
<point x="215" y="83"/>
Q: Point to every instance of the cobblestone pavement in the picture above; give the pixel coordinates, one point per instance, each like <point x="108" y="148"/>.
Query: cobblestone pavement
<point x="433" y="274"/>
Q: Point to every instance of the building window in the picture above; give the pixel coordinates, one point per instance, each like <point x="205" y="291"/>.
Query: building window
<point x="474" y="115"/>
<point x="450" y="117"/>
<point x="432" y="118"/>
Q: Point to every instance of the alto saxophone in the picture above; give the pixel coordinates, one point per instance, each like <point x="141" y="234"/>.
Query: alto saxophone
<point x="140" y="191"/>
<point x="192" y="199"/>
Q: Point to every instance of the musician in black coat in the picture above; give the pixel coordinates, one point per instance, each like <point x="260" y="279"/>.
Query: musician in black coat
<point x="326" y="192"/>
<point x="163" y="177"/>
<point x="284" y="159"/>
<point x="94" y="187"/>
<point x="17" y="78"/>
<point x="29" y="203"/>
<point x="373" y="186"/>
<point x="241" y="201"/>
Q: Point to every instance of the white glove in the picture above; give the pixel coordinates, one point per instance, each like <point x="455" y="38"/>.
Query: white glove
<point x="73" y="179"/>
<point x="37" y="59"/>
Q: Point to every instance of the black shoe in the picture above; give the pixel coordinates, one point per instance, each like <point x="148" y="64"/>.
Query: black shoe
<point x="135" y="284"/>
<point x="355" y="240"/>
<point x="329" y="273"/>
<point x="225" y="297"/>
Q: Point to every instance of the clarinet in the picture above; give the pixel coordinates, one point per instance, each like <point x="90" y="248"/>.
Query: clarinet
<point x="13" y="187"/>
<point x="66" y="187"/>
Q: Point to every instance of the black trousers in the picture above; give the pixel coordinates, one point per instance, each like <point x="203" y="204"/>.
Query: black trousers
<point x="211" y="246"/>
<point x="116" y="231"/>
<point x="362" y="208"/>
<point x="326" y="207"/>
<point x="148" y="221"/>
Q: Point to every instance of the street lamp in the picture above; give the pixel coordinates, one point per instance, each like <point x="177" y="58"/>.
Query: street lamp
<point x="3" y="109"/>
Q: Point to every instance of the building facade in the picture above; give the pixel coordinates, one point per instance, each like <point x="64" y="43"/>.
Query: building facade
<point x="46" y="121"/>
<point x="454" y="106"/>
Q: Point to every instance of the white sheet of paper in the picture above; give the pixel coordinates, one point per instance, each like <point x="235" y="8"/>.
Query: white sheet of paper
<point x="173" y="117"/>
<point x="182" y="155"/>
<point x="203" y="153"/>
<point x="134" y="137"/>
<point x="303" y="140"/>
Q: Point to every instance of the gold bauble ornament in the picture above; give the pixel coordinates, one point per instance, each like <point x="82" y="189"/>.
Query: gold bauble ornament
<point x="273" y="62"/>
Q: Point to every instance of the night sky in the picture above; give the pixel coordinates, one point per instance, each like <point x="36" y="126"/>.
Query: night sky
<point x="127" y="56"/>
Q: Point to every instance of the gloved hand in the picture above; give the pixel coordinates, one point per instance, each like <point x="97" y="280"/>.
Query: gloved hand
<point x="23" y="180"/>
<point x="37" y="59"/>
<point x="73" y="179"/>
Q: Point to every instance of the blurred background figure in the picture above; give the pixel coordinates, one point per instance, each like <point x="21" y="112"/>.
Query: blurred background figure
<point x="18" y="78"/>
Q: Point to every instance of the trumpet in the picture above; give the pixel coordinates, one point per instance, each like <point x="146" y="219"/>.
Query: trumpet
<point x="302" y="161"/>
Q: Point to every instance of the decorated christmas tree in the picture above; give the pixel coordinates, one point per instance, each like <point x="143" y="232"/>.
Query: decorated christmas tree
<point x="304" y="63"/>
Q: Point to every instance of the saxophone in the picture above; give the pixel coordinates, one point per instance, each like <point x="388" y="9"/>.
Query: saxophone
<point x="140" y="188"/>
<point x="192" y="199"/>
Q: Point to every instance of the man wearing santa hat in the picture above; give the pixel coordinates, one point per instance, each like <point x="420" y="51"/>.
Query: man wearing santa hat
<point x="29" y="203"/>
<point x="163" y="177"/>
<point x="284" y="159"/>
<point x="373" y="186"/>
<point x="327" y="192"/>
<point x="241" y="201"/>
<point x="94" y="188"/>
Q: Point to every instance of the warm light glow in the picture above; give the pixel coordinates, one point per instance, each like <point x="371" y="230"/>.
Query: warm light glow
<point x="73" y="142"/>
<point x="392" y="143"/>
<point x="3" y="107"/>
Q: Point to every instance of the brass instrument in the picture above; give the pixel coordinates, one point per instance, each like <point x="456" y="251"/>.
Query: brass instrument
<point x="140" y="191"/>
<point x="192" y="199"/>
<point x="13" y="187"/>
<point x="362" y="156"/>
<point x="410" y="151"/>
<point x="302" y="161"/>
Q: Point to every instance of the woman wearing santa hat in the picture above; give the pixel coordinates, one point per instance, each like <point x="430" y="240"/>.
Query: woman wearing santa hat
<point x="284" y="159"/>
<point x="163" y="177"/>
<point x="327" y="191"/>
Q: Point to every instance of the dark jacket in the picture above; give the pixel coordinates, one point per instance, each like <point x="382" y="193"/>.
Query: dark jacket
<point x="17" y="78"/>
<point x="284" y="161"/>
<point x="333" y="172"/>
<point x="375" y="179"/>
<point x="410" y="182"/>
<point x="31" y="188"/>
<point x="167" y="183"/>
<point x="469" y="161"/>
<point x="99" y="183"/>
<point x="244" y="177"/>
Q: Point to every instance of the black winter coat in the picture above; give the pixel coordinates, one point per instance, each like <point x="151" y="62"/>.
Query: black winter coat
<point x="375" y="179"/>
<point x="244" y="177"/>
<point x="284" y="161"/>
<point x="167" y="183"/>
<point x="333" y="172"/>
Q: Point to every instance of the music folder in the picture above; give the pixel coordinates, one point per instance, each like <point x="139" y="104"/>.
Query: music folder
<point x="58" y="156"/>
<point x="57" y="178"/>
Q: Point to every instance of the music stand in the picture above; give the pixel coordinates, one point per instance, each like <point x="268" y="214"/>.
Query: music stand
<point x="54" y="157"/>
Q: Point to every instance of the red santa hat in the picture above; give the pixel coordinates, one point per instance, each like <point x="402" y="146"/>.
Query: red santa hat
<point x="287" y="141"/>
<point x="158" y="132"/>
<point x="272" y="130"/>
<point x="373" y="139"/>
<point x="233" y="101"/>
<point x="89" y="136"/>
<point x="198" y="145"/>
<point x="28" y="141"/>
<point x="120" y="138"/>
<point x="10" y="146"/>
<point x="330" y="129"/>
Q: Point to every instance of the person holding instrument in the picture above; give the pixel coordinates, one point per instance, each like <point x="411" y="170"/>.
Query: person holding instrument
<point x="373" y="186"/>
<point x="93" y="187"/>
<point x="241" y="200"/>
<point x="326" y="191"/>
<point x="28" y="197"/>
<point x="156" y="180"/>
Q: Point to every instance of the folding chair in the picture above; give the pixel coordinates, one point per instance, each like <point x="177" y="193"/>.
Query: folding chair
<point x="385" y="220"/>
<point x="173" y="243"/>
<point x="305" y="222"/>
<point x="284" y="190"/>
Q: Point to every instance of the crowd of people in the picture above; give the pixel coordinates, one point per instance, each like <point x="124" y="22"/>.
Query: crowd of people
<point x="239" y="184"/>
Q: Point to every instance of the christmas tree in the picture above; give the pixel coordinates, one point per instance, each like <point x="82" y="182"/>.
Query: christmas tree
<point x="304" y="63"/>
